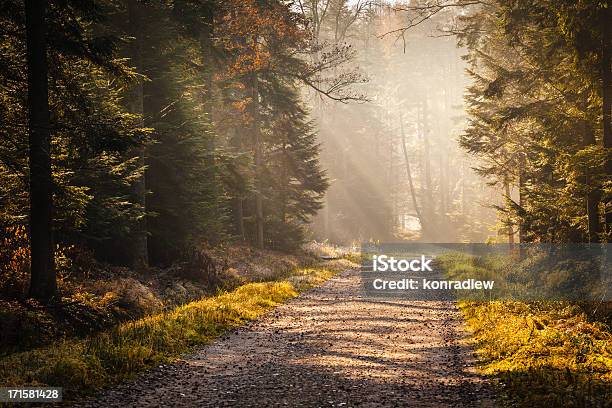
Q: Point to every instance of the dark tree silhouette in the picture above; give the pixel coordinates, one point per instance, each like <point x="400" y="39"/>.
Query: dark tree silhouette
<point x="43" y="284"/>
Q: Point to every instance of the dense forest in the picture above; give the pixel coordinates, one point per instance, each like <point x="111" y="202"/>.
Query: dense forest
<point x="138" y="131"/>
<point x="522" y="87"/>
<point x="540" y="111"/>
<point x="139" y="145"/>
<point x="171" y="169"/>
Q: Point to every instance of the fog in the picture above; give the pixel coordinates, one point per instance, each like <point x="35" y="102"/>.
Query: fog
<point x="416" y="79"/>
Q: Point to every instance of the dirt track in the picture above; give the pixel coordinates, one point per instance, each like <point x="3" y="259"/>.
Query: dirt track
<point x="331" y="346"/>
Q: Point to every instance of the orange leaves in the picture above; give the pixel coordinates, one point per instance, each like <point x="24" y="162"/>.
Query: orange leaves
<point x="241" y="106"/>
<point x="15" y="254"/>
<point x="14" y="250"/>
<point x="251" y="61"/>
<point x="254" y="35"/>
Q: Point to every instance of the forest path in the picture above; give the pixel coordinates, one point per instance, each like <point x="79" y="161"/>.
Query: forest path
<point x="331" y="346"/>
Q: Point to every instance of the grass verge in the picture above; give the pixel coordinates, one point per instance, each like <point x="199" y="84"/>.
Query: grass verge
<point x="82" y="366"/>
<point x="543" y="354"/>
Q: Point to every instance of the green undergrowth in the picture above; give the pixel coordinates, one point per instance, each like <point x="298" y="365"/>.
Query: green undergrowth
<point x="543" y="354"/>
<point x="82" y="366"/>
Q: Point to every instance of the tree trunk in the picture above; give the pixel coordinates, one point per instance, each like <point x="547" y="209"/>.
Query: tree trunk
<point x="43" y="284"/>
<point x="443" y="182"/>
<point x="522" y="199"/>
<point x="428" y="207"/>
<point x="593" y="197"/>
<point x="139" y="255"/>
<point x="409" y="172"/>
<point x="284" y="183"/>
<point x="606" y="75"/>
<point x="239" y="217"/>
<point x="426" y="148"/>
<point x="235" y="138"/>
<point x="522" y="202"/>
<point x="206" y="44"/>
<point x="509" y="221"/>
<point x="326" y="217"/>
<point x="258" y="152"/>
<point x="463" y="197"/>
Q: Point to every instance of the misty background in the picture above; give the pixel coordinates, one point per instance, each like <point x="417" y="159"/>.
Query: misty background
<point x="416" y="80"/>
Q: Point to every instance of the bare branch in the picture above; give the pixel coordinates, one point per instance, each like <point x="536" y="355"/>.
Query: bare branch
<point x="426" y="12"/>
<point x="332" y="91"/>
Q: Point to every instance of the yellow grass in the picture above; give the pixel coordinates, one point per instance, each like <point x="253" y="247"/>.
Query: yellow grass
<point x="543" y="354"/>
<point x="84" y="365"/>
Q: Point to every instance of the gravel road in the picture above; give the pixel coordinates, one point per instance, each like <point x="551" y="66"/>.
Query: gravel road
<point x="332" y="346"/>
